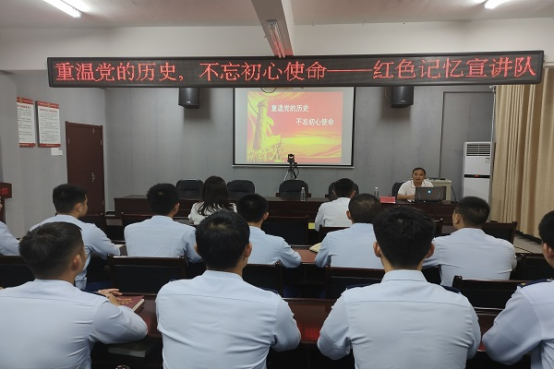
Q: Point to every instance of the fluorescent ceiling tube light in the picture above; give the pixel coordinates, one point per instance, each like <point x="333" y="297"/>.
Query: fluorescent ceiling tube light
<point x="491" y="4"/>
<point x="64" y="7"/>
<point x="276" y="39"/>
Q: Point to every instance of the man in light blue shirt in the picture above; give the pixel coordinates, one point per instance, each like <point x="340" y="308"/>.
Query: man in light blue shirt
<point x="160" y="236"/>
<point x="469" y="251"/>
<point x="353" y="247"/>
<point x="217" y="320"/>
<point x="526" y="325"/>
<point x="70" y="201"/>
<point x="9" y="245"/>
<point x="48" y="323"/>
<point x="266" y="249"/>
<point x="333" y="214"/>
<point x="404" y="321"/>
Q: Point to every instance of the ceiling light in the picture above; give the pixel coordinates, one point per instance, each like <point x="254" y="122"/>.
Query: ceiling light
<point x="491" y="4"/>
<point x="276" y="40"/>
<point x="64" y="8"/>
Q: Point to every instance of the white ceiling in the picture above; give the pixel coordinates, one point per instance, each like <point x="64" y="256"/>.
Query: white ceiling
<point x="190" y="13"/>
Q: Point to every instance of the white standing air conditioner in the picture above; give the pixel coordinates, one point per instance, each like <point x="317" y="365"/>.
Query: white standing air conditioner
<point x="478" y="162"/>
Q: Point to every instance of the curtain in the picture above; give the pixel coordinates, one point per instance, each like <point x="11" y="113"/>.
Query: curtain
<point x="523" y="175"/>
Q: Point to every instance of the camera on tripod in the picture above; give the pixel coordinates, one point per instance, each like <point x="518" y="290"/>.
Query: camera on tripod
<point x="291" y="159"/>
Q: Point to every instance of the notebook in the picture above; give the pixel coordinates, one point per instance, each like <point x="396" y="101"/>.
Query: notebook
<point x="430" y="194"/>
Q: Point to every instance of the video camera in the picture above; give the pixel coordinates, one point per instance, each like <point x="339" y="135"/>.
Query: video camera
<point x="291" y="159"/>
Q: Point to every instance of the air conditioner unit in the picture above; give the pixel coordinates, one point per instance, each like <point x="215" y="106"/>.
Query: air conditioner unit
<point x="477" y="167"/>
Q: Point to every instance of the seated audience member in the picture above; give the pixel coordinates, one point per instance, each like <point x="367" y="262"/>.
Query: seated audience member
<point x="333" y="214"/>
<point x="160" y="236"/>
<point x="353" y="247"/>
<point x="407" y="190"/>
<point x="266" y="249"/>
<point x="9" y="245"/>
<point x="229" y="323"/>
<point x="404" y="321"/>
<point x="215" y="197"/>
<point x="468" y="251"/>
<point x="70" y="201"/>
<point x="526" y="324"/>
<point x="48" y="323"/>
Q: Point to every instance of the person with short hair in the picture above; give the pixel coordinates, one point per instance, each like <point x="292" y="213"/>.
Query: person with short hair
<point x="49" y="323"/>
<point x="526" y="324"/>
<point x="161" y="236"/>
<point x="353" y="247"/>
<point x="469" y="251"/>
<point x="217" y="320"/>
<point x="70" y="201"/>
<point x="266" y="249"/>
<point x="9" y="245"/>
<point x="333" y="213"/>
<point x="407" y="189"/>
<point x="215" y="197"/>
<point x="404" y="321"/>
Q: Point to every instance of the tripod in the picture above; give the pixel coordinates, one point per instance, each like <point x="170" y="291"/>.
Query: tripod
<point x="292" y="171"/>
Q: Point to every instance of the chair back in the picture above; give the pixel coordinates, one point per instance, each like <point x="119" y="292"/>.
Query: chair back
<point x="324" y="230"/>
<point x="487" y="293"/>
<point x="265" y="276"/>
<point x="395" y="187"/>
<point x="294" y="229"/>
<point x="190" y="189"/>
<point x="338" y="279"/>
<point x="145" y="275"/>
<point x="331" y="196"/>
<point x="438" y="226"/>
<point x="501" y="230"/>
<point x="14" y="271"/>
<point x="531" y="266"/>
<point x="239" y="188"/>
<point x="131" y="218"/>
<point x="290" y="189"/>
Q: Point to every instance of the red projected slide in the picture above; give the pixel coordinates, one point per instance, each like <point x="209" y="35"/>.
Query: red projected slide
<point x="307" y="124"/>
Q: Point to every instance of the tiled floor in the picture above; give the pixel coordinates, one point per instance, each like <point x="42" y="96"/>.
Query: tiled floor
<point x="524" y="245"/>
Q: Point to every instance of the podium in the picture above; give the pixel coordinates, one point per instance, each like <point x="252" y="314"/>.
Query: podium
<point x="5" y="192"/>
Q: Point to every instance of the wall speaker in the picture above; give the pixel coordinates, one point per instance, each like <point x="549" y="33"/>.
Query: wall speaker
<point x="189" y="97"/>
<point x="402" y="96"/>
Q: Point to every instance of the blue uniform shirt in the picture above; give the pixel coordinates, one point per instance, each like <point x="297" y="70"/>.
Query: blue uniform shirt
<point x="160" y="236"/>
<point x="269" y="249"/>
<point x="9" y="245"/>
<point x="403" y="322"/>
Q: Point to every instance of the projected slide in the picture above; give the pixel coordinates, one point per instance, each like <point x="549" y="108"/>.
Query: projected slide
<point x="313" y="124"/>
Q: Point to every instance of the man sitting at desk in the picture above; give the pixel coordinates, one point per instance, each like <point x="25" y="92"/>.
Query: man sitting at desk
<point x="404" y="321"/>
<point x="266" y="249"/>
<point x="333" y="214"/>
<point x="407" y="189"/>
<point x="160" y="236"/>
<point x="48" y="323"/>
<point x="468" y="251"/>
<point x="70" y="201"/>
<point x="353" y="247"/>
<point x="9" y="245"/>
<point x="217" y="320"/>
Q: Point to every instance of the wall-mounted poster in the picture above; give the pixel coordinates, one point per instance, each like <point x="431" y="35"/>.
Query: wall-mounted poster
<point x="48" y="124"/>
<point x="26" y="122"/>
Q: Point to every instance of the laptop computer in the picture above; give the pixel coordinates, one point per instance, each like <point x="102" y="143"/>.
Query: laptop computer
<point x="430" y="194"/>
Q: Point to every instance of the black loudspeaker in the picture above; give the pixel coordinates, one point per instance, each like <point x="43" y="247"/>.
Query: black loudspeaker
<point x="402" y="96"/>
<point x="189" y="97"/>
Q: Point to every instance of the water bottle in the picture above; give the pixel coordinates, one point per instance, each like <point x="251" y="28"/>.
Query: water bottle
<point x="376" y="193"/>
<point x="303" y="194"/>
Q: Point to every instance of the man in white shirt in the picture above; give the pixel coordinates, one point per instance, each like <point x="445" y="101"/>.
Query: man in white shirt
<point x="333" y="214"/>
<point x="161" y="236"/>
<point x="407" y="189"/>
<point x="469" y="251"/>
<point x="526" y="325"/>
<point x="404" y="321"/>
<point x="353" y="247"/>
<point x="9" y="245"/>
<point x="48" y="323"/>
<point x="217" y="320"/>
<point x="266" y="249"/>
<point x="70" y="201"/>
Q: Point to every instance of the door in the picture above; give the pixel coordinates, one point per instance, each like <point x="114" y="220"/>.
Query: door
<point x="85" y="162"/>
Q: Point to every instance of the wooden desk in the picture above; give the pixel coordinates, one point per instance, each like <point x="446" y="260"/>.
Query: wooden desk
<point x="308" y="257"/>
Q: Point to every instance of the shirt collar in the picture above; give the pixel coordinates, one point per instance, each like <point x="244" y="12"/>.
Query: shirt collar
<point x="468" y="231"/>
<point x="397" y="275"/>
<point x="214" y="274"/>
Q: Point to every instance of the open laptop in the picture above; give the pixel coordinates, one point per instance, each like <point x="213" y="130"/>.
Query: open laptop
<point x="430" y="194"/>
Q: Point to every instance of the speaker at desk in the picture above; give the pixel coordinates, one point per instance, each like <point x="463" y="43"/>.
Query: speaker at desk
<point x="189" y="97"/>
<point x="402" y="96"/>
